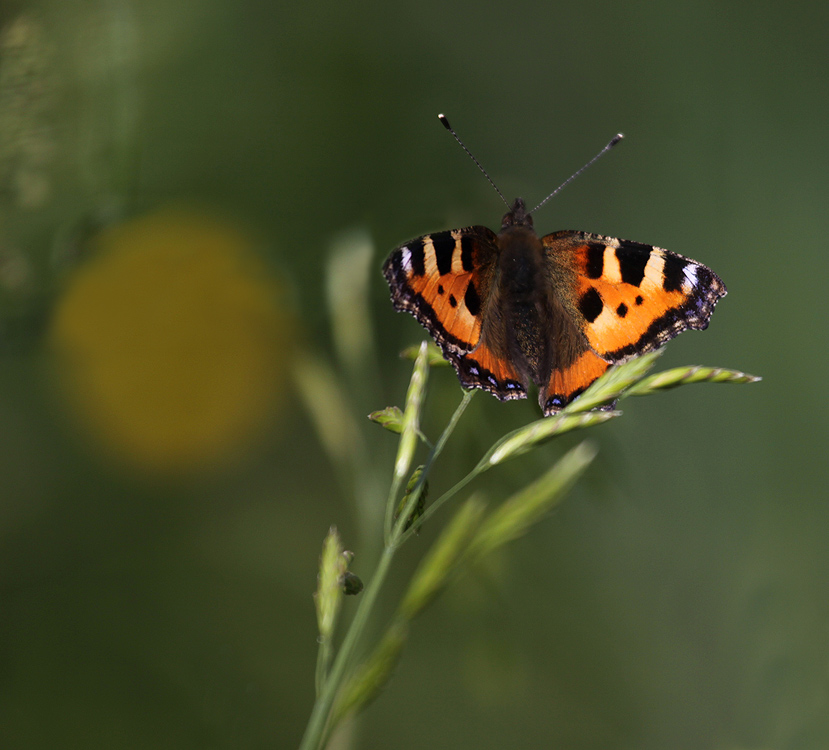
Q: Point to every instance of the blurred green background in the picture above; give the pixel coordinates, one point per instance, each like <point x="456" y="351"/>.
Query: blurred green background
<point x="178" y="416"/>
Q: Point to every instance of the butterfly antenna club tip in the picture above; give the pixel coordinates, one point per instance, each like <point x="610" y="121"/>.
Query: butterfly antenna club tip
<point x="446" y="124"/>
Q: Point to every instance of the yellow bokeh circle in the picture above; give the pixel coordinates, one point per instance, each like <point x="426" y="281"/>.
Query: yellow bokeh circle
<point x="171" y="343"/>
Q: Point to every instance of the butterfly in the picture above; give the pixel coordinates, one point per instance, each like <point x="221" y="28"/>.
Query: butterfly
<point x="514" y="310"/>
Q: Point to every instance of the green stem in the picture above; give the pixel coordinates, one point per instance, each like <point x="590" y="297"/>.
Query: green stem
<point x="467" y="397"/>
<point x="394" y="490"/>
<point x="428" y="512"/>
<point x="323" y="662"/>
<point x="400" y="534"/>
<point x="315" y="731"/>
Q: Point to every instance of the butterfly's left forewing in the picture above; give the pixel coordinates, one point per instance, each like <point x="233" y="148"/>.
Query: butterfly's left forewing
<point x="629" y="298"/>
<point x="444" y="279"/>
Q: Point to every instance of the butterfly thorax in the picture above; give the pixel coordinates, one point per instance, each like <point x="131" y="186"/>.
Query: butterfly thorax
<point x="519" y="332"/>
<point x="520" y="255"/>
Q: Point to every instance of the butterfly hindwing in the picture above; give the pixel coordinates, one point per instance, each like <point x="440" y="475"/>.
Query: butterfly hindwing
<point x="483" y="368"/>
<point x="630" y="298"/>
<point x="568" y="381"/>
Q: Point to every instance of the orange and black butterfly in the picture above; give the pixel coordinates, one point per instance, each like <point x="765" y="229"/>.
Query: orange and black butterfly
<point x="513" y="309"/>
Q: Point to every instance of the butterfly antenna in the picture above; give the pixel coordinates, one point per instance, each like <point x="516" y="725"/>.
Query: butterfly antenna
<point x="616" y="138"/>
<point x="446" y="124"/>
